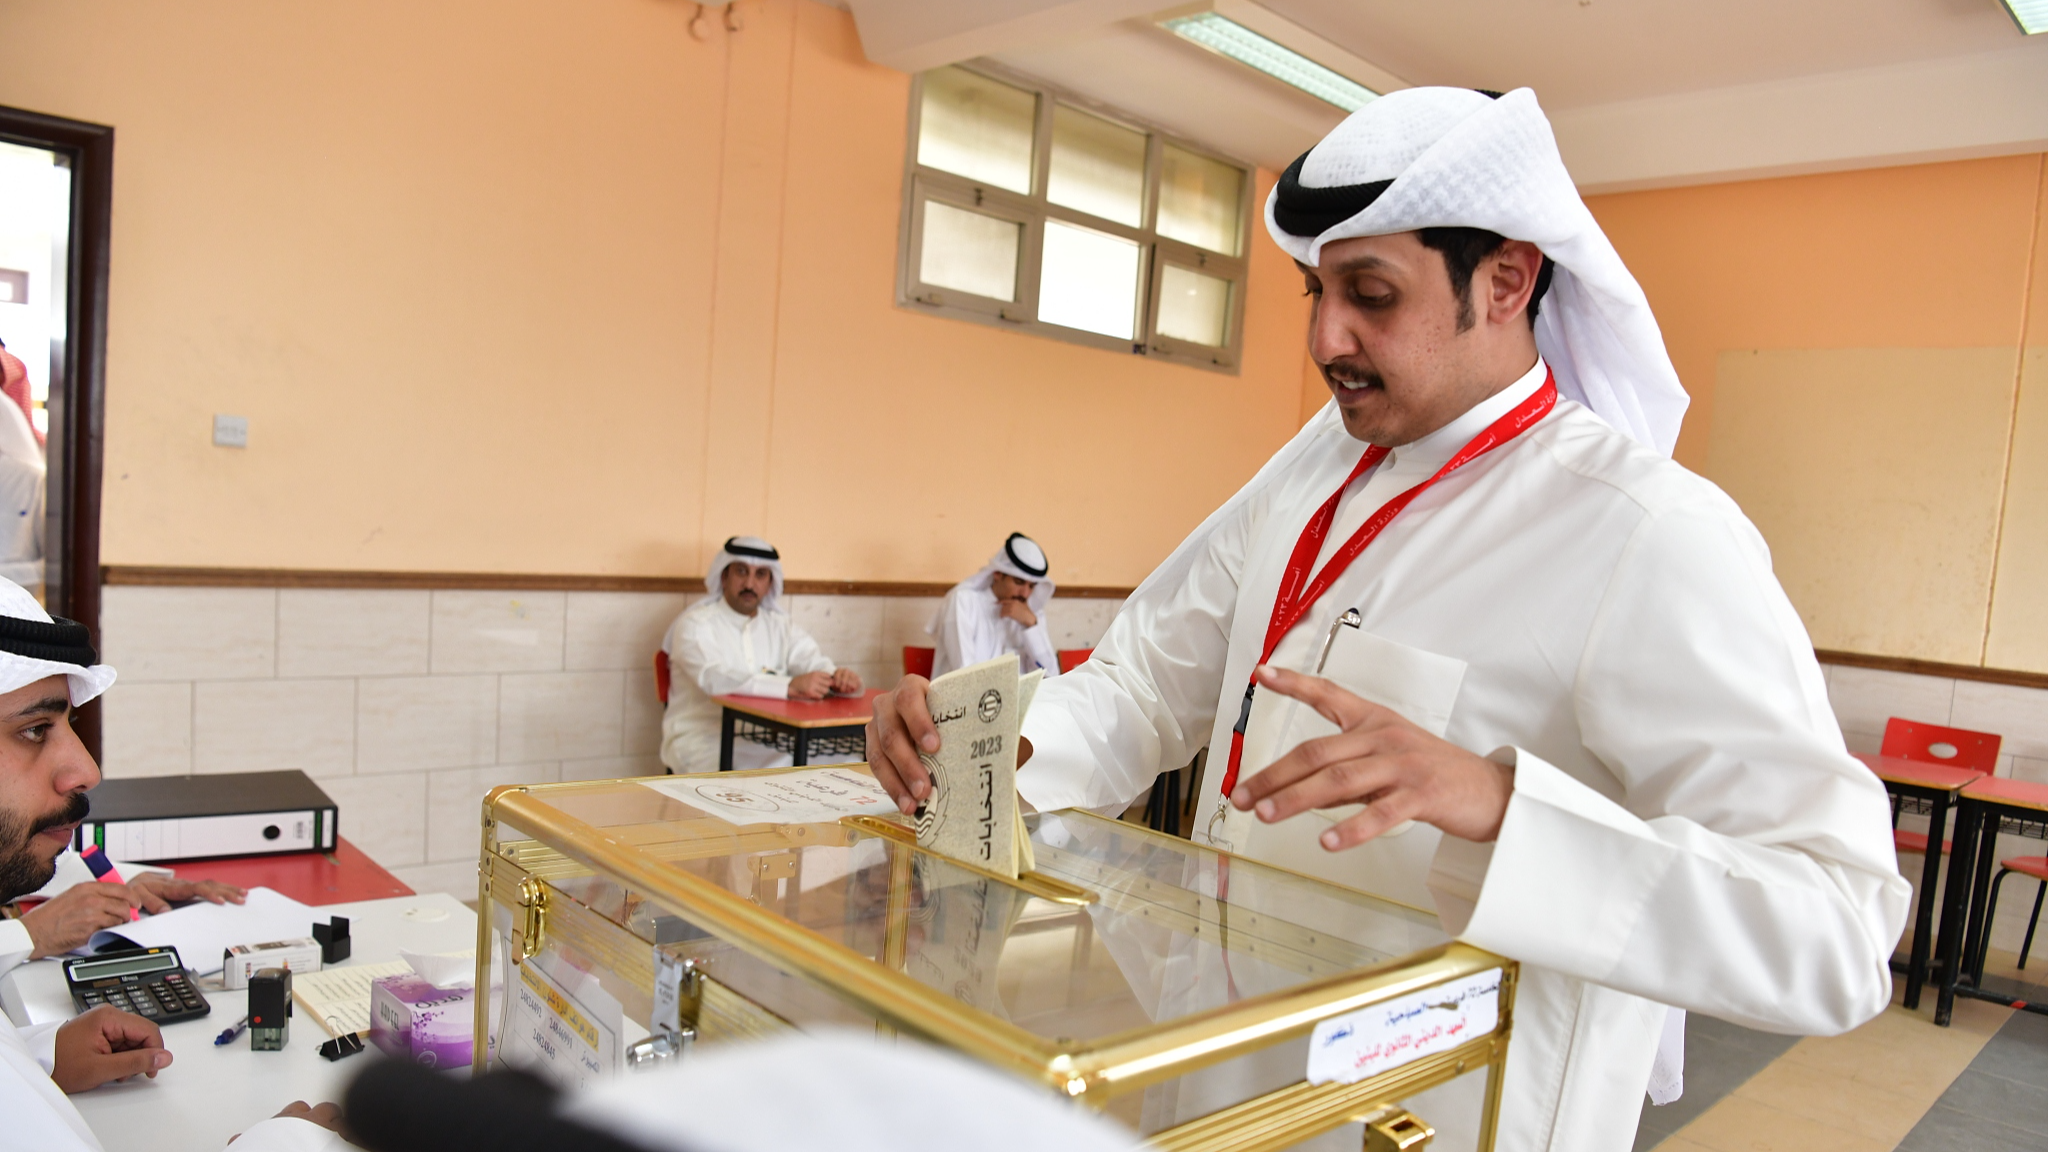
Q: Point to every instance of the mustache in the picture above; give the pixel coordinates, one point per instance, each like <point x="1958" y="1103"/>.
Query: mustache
<point x="74" y="810"/>
<point x="1352" y="375"/>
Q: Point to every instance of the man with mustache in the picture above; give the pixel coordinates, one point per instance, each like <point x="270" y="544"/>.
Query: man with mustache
<point x="739" y="641"/>
<point x="997" y="610"/>
<point x="1472" y="641"/>
<point x="48" y="667"/>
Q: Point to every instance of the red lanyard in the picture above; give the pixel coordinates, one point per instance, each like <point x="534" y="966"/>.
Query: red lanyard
<point x="1294" y="600"/>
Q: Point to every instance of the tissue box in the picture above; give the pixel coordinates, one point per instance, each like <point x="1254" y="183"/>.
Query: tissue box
<point x="414" y="1020"/>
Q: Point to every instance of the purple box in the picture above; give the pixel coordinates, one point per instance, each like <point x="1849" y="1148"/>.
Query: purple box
<point x="414" y="1020"/>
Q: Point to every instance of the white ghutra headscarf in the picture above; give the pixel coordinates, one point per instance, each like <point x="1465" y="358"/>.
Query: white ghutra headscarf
<point x="35" y="646"/>
<point x="1457" y="158"/>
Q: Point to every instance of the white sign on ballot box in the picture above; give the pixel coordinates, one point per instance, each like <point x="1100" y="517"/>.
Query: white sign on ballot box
<point x="1348" y="1048"/>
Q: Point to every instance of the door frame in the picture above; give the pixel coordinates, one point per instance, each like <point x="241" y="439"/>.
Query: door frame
<point x="74" y="453"/>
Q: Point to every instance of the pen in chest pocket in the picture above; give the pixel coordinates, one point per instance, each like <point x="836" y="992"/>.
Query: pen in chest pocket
<point x="1349" y="619"/>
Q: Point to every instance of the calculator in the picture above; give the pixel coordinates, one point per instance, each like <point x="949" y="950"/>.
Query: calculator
<point x="150" y="982"/>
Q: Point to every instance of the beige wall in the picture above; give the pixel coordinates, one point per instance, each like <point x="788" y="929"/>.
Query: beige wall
<point x="1853" y="345"/>
<point x="551" y="286"/>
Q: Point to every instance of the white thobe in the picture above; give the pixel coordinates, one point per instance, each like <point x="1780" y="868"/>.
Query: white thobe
<point x="715" y="651"/>
<point x="1686" y="826"/>
<point x="39" y="1115"/>
<point x="971" y="628"/>
<point x="21" y="499"/>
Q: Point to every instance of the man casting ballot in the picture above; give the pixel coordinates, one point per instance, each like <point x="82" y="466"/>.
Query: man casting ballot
<point x="739" y="641"/>
<point x="1558" y="653"/>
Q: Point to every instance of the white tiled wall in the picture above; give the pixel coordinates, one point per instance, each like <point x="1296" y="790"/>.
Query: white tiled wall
<point x="1865" y="698"/>
<point x="408" y="706"/>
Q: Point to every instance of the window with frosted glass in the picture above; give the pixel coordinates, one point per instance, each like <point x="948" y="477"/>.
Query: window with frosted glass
<point x="969" y="252"/>
<point x="1194" y="307"/>
<point x="1041" y="213"/>
<point x="1200" y="200"/>
<point x="1098" y="167"/>
<point x="978" y="128"/>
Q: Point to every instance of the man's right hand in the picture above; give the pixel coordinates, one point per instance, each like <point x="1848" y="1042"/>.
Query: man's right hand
<point x="902" y="725"/>
<point x="104" y="1045"/>
<point x="1019" y="611"/>
<point x="68" y="919"/>
<point x="810" y="686"/>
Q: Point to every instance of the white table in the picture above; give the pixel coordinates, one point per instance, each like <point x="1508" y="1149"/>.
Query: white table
<point x="209" y="1094"/>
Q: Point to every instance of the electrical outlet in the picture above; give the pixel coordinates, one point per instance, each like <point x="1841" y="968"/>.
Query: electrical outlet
<point x="231" y="431"/>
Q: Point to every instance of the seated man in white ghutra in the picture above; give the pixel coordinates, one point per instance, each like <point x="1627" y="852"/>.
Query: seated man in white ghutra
<point x="1562" y="700"/>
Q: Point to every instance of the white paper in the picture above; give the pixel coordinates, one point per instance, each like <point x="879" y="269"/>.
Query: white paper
<point x="201" y="932"/>
<point x="450" y="970"/>
<point x="1349" y="1048"/>
<point x="807" y="796"/>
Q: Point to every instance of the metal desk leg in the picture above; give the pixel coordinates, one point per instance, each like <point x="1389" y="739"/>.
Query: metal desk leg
<point x="1948" y="947"/>
<point x="1976" y="941"/>
<point x="1923" y="916"/>
<point x="725" y="735"/>
<point x="803" y="747"/>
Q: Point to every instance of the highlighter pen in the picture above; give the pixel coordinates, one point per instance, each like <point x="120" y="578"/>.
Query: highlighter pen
<point x="103" y="870"/>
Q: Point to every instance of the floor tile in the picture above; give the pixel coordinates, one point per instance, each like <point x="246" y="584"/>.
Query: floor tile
<point x="1882" y="1115"/>
<point x="2009" y="1101"/>
<point x="1947" y="1130"/>
<point x="1719" y="1058"/>
<point x="1739" y="1124"/>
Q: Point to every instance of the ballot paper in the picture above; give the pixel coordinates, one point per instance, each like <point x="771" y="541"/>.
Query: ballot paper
<point x="812" y="796"/>
<point x="202" y="932"/>
<point x="972" y="812"/>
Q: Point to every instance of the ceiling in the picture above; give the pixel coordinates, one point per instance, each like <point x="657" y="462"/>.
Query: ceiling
<point x="1580" y="52"/>
<point x="1642" y="92"/>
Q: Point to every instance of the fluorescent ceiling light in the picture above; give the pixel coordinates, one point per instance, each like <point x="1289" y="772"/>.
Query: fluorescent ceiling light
<point x="1229" y="38"/>
<point x="2030" y="15"/>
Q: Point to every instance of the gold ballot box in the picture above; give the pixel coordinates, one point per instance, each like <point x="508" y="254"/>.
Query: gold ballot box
<point x="1202" y="999"/>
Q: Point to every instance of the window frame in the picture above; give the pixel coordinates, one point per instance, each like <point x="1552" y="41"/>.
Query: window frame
<point x="922" y="184"/>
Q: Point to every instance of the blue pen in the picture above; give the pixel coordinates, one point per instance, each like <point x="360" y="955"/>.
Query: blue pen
<point x="227" y="1035"/>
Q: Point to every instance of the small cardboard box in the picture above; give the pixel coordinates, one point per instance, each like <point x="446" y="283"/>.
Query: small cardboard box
<point x="414" y="1020"/>
<point x="301" y="955"/>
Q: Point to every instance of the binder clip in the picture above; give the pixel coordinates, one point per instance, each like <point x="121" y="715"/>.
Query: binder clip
<point x="333" y="939"/>
<point x="345" y="1045"/>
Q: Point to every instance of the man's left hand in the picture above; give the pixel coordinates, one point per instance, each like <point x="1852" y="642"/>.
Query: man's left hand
<point x="104" y="1045"/>
<point x="1397" y="770"/>
<point x="1019" y="611"/>
<point x="845" y="681"/>
<point x="155" y="892"/>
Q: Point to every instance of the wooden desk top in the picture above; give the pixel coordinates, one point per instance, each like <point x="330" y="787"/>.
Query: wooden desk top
<point x="1919" y="773"/>
<point x="831" y="712"/>
<point x="2008" y="793"/>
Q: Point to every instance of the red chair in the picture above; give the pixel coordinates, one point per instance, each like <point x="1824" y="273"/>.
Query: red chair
<point x="1934" y="744"/>
<point x="661" y="675"/>
<point x="918" y="661"/>
<point x="2035" y="866"/>
<point x="1072" y="658"/>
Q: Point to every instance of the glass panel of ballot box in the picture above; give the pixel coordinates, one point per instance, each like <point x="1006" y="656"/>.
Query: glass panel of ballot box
<point x="1201" y="999"/>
